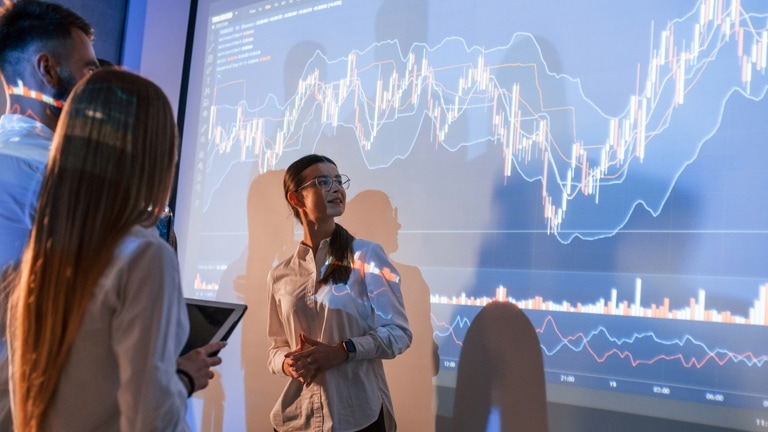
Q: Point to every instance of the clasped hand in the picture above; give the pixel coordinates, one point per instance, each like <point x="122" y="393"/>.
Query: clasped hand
<point x="312" y="357"/>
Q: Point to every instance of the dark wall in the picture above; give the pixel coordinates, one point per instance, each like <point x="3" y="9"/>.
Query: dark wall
<point x="108" y="18"/>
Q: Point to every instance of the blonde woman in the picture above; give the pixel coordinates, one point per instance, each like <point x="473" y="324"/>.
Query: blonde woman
<point x="97" y="318"/>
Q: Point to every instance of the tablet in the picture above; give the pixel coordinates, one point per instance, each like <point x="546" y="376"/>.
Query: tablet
<point x="211" y="321"/>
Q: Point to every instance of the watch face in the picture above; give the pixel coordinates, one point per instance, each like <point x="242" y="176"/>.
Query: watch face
<point x="349" y="346"/>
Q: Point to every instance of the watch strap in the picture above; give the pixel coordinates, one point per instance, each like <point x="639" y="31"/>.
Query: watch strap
<point x="350" y="348"/>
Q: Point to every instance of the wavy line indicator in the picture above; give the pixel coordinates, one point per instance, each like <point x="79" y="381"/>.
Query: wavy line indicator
<point x="542" y="124"/>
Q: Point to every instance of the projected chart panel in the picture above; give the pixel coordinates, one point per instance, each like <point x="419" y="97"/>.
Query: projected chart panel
<point x="681" y="364"/>
<point x="543" y="127"/>
<point x="626" y="344"/>
<point x="621" y="211"/>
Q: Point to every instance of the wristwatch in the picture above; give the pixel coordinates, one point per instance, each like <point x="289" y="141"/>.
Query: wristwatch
<point x="349" y="347"/>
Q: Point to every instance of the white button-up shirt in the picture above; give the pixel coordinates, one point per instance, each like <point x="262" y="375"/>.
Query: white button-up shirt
<point x="368" y="309"/>
<point x="121" y="371"/>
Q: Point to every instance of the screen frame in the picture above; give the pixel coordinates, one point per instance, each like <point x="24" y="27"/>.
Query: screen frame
<point x="558" y="408"/>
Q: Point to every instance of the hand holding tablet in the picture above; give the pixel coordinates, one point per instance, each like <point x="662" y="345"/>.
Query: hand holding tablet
<point x="211" y="321"/>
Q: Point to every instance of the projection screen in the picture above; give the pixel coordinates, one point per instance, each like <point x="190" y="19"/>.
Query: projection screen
<point x="600" y="164"/>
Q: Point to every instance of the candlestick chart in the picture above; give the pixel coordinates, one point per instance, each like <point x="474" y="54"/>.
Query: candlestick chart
<point x="599" y="165"/>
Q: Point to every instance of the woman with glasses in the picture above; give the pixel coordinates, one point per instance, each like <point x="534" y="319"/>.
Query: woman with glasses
<point x="335" y="312"/>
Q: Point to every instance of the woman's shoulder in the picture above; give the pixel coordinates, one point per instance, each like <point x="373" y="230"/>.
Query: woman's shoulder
<point x="363" y="244"/>
<point x="284" y="265"/>
<point x="140" y="262"/>
<point x="144" y="241"/>
<point x="367" y="250"/>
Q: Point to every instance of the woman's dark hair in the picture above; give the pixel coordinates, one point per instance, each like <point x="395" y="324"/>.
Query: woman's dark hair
<point x="340" y="248"/>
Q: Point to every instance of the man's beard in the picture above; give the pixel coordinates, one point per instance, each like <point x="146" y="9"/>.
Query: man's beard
<point x="67" y="82"/>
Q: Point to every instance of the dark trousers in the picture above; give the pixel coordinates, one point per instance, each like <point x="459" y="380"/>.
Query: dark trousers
<point x="377" y="426"/>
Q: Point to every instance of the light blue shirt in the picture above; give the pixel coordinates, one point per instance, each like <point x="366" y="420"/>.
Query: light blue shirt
<point x="24" y="148"/>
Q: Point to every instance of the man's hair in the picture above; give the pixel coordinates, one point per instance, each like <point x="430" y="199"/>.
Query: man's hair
<point x="27" y="24"/>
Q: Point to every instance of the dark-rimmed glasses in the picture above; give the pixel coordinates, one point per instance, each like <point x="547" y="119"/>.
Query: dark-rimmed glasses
<point x="325" y="183"/>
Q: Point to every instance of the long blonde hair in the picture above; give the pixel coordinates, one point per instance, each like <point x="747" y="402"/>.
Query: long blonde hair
<point x="111" y="168"/>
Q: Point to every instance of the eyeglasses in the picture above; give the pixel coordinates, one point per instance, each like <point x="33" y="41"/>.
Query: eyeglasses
<point x="326" y="183"/>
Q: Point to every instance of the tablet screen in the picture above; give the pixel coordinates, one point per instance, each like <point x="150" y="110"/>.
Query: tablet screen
<point x="210" y="321"/>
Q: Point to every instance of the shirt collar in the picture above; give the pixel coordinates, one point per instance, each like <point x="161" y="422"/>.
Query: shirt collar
<point x="18" y="122"/>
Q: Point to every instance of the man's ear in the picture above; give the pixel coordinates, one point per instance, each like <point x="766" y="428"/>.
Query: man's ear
<point x="46" y="68"/>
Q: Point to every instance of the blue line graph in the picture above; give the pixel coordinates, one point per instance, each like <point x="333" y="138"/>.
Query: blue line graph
<point x="624" y="348"/>
<point x="685" y="355"/>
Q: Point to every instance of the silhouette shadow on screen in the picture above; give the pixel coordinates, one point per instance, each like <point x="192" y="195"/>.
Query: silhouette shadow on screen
<point x="371" y="215"/>
<point x="500" y="374"/>
<point x="270" y="240"/>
